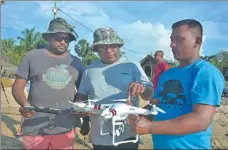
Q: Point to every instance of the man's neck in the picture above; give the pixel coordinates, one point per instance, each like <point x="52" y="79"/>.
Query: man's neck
<point x="188" y="61"/>
<point x="161" y="60"/>
<point x="109" y="63"/>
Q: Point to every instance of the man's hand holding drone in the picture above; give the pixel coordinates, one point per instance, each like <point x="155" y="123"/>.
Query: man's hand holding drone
<point x="143" y="124"/>
<point x="139" y="124"/>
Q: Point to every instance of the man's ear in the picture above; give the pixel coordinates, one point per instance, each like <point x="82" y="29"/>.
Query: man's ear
<point x="198" y="41"/>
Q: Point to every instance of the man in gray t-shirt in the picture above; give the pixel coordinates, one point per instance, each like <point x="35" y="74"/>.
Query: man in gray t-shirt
<point x="54" y="74"/>
<point x="111" y="78"/>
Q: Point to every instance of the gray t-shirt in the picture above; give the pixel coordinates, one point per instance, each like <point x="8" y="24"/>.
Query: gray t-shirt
<point x="53" y="82"/>
<point x="110" y="82"/>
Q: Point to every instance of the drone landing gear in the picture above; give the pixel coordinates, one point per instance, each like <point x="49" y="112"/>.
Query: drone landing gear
<point x="120" y="121"/>
<point x="101" y="131"/>
<point x="120" y="128"/>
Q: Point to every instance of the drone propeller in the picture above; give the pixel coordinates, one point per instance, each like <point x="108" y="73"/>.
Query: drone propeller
<point x="157" y="108"/>
<point x="119" y="100"/>
<point x="94" y="100"/>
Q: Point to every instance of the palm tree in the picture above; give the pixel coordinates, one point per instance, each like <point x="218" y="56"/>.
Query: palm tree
<point x="83" y="49"/>
<point x="8" y="50"/>
<point x="7" y="45"/>
<point x="30" y="39"/>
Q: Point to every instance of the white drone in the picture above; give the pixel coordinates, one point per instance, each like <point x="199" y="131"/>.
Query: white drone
<point x="117" y="111"/>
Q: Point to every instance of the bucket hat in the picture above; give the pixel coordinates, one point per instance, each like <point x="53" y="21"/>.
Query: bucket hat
<point x="104" y="36"/>
<point x="59" y="25"/>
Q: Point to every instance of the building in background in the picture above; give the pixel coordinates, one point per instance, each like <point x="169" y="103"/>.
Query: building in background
<point x="148" y="63"/>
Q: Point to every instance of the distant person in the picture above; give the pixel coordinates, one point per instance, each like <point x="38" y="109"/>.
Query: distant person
<point x="53" y="73"/>
<point x="188" y="93"/>
<point x="160" y="66"/>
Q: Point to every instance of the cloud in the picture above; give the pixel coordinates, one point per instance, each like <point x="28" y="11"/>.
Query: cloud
<point x="202" y="52"/>
<point x="17" y="25"/>
<point x="144" y="37"/>
<point x="85" y="12"/>
<point x="212" y="30"/>
<point x="20" y="15"/>
<point x="13" y="20"/>
<point x="45" y="9"/>
<point x="147" y="37"/>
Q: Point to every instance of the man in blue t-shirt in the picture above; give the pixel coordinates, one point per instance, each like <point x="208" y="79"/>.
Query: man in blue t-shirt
<point x="188" y="93"/>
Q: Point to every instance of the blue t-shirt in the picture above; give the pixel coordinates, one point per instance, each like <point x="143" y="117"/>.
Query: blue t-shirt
<point x="178" y="90"/>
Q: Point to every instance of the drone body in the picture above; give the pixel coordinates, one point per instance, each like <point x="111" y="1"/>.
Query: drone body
<point x="124" y="109"/>
<point x="116" y="111"/>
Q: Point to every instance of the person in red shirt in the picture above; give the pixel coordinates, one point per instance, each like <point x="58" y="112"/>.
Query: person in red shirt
<point x="159" y="67"/>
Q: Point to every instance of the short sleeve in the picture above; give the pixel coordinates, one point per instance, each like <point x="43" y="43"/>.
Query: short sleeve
<point x="165" y="66"/>
<point x="140" y="75"/>
<point x="79" y="66"/>
<point x="24" y="67"/>
<point x="208" y="85"/>
<point x="85" y="84"/>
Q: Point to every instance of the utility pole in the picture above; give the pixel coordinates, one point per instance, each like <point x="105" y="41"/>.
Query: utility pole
<point x="55" y="10"/>
<point x="2" y="2"/>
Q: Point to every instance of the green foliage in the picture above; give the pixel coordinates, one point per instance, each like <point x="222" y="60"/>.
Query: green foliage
<point x="89" y="59"/>
<point x="224" y="62"/>
<point x="215" y="62"/>
<point x="28" y="40"/>
<point x="83" y="50"/>
<point x="219" y="60"/>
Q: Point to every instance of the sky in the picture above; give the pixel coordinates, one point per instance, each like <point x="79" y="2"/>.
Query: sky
<point x="145" y="26"/>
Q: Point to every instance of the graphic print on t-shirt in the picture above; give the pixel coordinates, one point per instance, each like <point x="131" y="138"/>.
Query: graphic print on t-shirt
<point x="172" y="92"/>
<point x="57" y="77"/>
